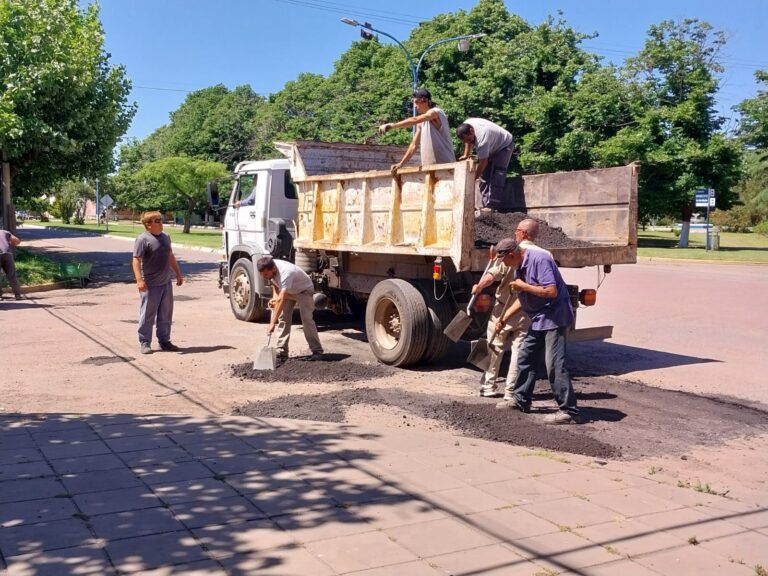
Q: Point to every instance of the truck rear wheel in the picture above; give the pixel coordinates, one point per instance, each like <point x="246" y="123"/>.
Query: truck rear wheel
<point x="243" y="296"/>
<point x="397" y="323"/>
<point x="440" y="315"/>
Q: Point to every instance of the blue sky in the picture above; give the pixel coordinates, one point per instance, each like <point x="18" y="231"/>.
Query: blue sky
<point x="172" y="47"/>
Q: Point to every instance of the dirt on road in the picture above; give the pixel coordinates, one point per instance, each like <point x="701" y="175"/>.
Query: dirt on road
<point x="620" y="418"/>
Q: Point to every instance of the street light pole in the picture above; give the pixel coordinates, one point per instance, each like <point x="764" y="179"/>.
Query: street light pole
<point x="414" y="67"/>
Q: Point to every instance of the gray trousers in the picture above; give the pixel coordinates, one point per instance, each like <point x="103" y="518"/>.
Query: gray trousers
<point x="306" y="309"/>
<point x="156" y="308"/>
<point x="494" y="178"/>
<point x="511" y="335"/>
<point x="8" y="265"/>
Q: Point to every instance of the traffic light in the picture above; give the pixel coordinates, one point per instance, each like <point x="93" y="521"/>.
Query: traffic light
<point x="366" y="34"/>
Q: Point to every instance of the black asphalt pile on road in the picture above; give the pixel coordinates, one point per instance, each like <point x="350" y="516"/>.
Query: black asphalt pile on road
<point x="299" y="369"/>
<point x="490" y="227"/>
<point x="474" y="419"/>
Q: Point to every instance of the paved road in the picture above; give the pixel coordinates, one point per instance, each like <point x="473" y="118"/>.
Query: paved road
<point x="684" y="326"/>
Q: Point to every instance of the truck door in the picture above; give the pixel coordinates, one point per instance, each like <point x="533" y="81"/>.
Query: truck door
<point x="250" y="217"/>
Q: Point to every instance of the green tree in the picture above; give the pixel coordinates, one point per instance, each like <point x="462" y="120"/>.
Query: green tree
<point x="676" y="131"/>
<point x="754" y="116"/>
<point x="181" y="182"/>
<point x="62" y="105"/>
<point x="70" y="201"/>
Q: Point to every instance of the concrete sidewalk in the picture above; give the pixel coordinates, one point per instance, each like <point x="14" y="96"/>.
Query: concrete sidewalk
<point x="176" y="495"/>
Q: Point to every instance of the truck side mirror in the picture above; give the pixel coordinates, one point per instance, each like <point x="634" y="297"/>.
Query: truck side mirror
<point x="212" y="191"/>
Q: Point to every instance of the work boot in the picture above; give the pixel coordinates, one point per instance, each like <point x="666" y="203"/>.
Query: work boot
<point x="316" y="356"/>
<point x="560" y="417"/>
<point x="146" y="348"/>
<point x="168" y="346"/>
<point x="19" y="297"/>
<point x="513" y="404"/>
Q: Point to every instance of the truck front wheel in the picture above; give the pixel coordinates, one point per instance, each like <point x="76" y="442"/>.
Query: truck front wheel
<point x="397" y="323"/>
<point x="243" y="296"/>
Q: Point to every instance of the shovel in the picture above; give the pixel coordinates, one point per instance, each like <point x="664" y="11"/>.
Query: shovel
<point x="481" y="353"/>
<point x="265" y="359"/>
<point x="463" y="319"/>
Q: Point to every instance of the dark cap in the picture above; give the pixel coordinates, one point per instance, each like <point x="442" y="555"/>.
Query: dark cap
<point x="422" y="93"/>
<point x="505" y="246"/>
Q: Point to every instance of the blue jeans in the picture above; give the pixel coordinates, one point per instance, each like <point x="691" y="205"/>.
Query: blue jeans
<point x="156" y="303"/>
<point x="551" y="343"/>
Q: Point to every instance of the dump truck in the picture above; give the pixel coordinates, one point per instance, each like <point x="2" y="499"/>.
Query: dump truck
<point x="400" y="248"/>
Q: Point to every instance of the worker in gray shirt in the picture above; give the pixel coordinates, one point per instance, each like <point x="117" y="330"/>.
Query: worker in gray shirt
<point x="494" y="151"/>
<point x="152" y="263"/>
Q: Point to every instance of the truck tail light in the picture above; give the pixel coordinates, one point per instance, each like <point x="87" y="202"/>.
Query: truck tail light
<point x="588" y="297"/>
<point x="483" y="303"/>
<point x="437" y="268"/>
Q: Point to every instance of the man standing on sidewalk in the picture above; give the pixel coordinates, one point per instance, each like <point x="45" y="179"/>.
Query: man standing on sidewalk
<point x="543" y="296"/>
<point x="7" y="262"/>
<point x="153" y="261"/>
<point x="290" y="286"/>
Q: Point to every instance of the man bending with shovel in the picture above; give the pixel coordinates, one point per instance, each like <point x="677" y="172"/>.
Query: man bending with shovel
<point x="290" y="286"/>
<point x="499" y="333"/>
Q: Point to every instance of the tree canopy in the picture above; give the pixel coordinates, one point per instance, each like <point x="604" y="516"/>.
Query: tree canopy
<point x="565" y="108"/>
<point x="63" y="106"/>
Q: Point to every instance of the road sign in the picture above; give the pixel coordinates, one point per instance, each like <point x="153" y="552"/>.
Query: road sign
<point x="106" y="201"/>
<point x="701" y="198"/>
<point x="712" y="202"/>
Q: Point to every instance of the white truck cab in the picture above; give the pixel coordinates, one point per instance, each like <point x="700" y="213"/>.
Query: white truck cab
<point x="264" y="226"/>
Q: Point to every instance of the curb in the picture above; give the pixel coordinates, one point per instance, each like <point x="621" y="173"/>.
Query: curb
<point x="693" y="261"/>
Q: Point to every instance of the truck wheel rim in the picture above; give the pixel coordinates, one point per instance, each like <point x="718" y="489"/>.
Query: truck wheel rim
<point x="387" y="324"/>
<point x="241" y="289"/>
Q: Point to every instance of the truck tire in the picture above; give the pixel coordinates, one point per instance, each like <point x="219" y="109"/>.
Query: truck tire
<point x="243" y="296"/>
<point x="397" y="323"/>
<point x="307" y="261"/>
<point x="440" y="315"/>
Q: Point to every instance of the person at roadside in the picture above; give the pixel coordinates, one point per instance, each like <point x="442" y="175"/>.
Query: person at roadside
<point x="432" y="135"/>
<point x="290" y="286"/>
<point x="494" y="147"/>
<point x="543" y="296"/>
<point x="8" y="262"/>
<point x="512" y="330"/>
<point x="153" y="261"/>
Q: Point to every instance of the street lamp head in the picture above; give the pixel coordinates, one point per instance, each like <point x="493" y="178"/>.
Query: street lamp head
<point x="350" y="21"/>
<point x="464" y="42"/>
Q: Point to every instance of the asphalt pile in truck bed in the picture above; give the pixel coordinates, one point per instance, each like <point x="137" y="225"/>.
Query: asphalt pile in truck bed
<point x="490" y="227"/>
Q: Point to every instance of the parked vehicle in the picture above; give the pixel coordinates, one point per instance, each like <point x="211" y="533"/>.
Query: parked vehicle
<point x="402" y="249"/>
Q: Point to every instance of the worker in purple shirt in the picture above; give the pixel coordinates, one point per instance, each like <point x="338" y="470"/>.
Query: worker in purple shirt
<point x="543" y="296"/>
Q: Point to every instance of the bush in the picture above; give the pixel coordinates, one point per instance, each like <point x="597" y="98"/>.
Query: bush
<point x="761" y="228"/>
<point x="676" y="232"/>
<point x="737" y="219"/>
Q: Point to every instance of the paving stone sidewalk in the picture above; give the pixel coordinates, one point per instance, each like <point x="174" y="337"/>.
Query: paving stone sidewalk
<point x="102" y="494"/>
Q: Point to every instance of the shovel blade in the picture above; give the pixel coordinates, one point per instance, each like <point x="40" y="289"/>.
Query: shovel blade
<point x="265" y="359"/>
<point x="457" y="326"/>
<point x="480" y="355"/>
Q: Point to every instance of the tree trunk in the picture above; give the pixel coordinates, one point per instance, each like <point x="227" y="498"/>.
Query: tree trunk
<point x="188" y="217"/>
<point x="9" y="217"/>
<point x="685" y="228"/>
